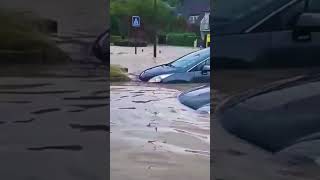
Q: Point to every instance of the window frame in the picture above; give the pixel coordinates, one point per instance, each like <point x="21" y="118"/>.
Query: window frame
<point x="257" y="25"/>
<point x="195" y="66"/>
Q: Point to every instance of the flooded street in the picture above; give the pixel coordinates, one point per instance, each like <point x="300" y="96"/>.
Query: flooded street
<point x="55" y="124"/>
<point x="155" y="137"/>
<point x="53" y="121"/>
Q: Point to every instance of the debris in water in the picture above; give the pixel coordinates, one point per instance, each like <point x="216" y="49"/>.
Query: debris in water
<point x="128" y="108"/>
<point x="42" y="111"/>
<point x="25" y="121"/>
<point x="67" y="147"/>
<point x="90" y="127"/>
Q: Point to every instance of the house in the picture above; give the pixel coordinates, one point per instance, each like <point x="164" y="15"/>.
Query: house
<point x="194" y="10"/>
<point x="205" y="25"/>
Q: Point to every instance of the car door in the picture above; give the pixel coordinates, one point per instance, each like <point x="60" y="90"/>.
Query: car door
<point x="287" y="49"/>
<point x="200" y="76"/>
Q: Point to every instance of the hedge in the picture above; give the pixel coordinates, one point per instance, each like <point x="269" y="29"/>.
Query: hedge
<point x="181" y="39"/>
<point x="130" y="43"/>
<point x="115" y="39"/>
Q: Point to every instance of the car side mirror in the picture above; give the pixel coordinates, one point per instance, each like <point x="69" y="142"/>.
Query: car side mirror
<point x="306" y="24"/>
<point x="206" y="68"/>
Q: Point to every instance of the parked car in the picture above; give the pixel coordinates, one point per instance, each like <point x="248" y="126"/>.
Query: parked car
<point x="193" y="67"/>
<point x="277" y="116"/>
<point x="205" y="109"/>
<point x="101" y="47"/>
<point x="197" y="98"/>
<point x="266" y="33"/>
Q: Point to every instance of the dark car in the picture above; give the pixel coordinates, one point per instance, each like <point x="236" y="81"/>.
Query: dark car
<point x="101" y="47"/>
<point x="277" y="116"/>
<point x="266" y="33"/>
<point x="197" y="98"/>
<point x="193" y="67"/>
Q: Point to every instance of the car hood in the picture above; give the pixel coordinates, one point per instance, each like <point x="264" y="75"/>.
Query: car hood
<point x="156" y="71"/>
<point x="275" y="116"/>
<point x="196" y="98"/>
<point x="204" y="109"/>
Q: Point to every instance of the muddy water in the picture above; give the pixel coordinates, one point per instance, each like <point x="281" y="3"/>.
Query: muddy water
<point x="155" y="137"/>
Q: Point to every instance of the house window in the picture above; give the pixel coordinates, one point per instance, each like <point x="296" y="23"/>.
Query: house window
<point x="193" y="19"/>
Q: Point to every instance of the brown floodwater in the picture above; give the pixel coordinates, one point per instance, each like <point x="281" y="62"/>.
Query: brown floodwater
<point x="151" y="130"/>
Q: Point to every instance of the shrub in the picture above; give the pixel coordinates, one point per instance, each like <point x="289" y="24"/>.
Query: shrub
<point x="117" y="74"/>
<point x="21" y="37"/>
<point x="115" y="39"/>
<point x="181" y="39"/>
<point x="130" y="43"/>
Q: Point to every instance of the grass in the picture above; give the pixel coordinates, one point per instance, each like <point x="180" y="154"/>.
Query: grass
<point x="17" y="33"/>
<point x="117" y="74"/>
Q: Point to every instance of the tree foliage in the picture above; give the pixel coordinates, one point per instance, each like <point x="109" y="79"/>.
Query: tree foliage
<point x="163" y="19"/>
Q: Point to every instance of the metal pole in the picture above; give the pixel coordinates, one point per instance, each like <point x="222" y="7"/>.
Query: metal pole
<point x="155" y="30"/>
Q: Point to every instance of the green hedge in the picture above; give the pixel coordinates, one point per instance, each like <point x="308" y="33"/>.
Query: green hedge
<point x="181" y="39"/>
<point x="130" y="43"/>
<point x="115" y="38"/>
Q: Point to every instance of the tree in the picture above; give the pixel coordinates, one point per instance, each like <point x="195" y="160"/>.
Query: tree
<point x="122" y="10"/>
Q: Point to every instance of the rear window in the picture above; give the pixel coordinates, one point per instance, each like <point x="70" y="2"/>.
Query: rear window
<point x="201" y="91"/>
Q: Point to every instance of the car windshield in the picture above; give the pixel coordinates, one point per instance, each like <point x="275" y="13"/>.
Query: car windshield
<point x="227" y="12"/>
<point x="191" y="59"/>
<point x="198" y="92"/>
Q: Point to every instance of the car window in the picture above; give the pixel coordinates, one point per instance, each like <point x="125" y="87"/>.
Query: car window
<point x="200" y="66"/>
<point x="191" y="59"/>
<point x="314" y="6"/>
<point x="284" y="20"/>
<point x="199" y="91"/>
<point x="236" y="9"/>
<point x="234" y="16"/>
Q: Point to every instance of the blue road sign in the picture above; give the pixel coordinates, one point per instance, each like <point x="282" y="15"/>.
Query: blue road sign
<point x="136" y="21"/>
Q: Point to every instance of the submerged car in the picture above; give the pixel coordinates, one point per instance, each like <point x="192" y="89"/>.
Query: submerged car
<point x="197" y="98"/>
<point x="193" y="67"/>
<point x="101" y="47"/>
<point x="277" y="116"/>
<point x="266" y="33"/>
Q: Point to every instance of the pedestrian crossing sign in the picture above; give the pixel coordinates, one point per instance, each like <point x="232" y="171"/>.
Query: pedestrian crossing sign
<point x="136" y="21"/>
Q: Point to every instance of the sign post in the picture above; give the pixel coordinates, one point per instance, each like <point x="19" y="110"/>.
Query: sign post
<point x="155" y="29"/>
<point x="135" y="23"/>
